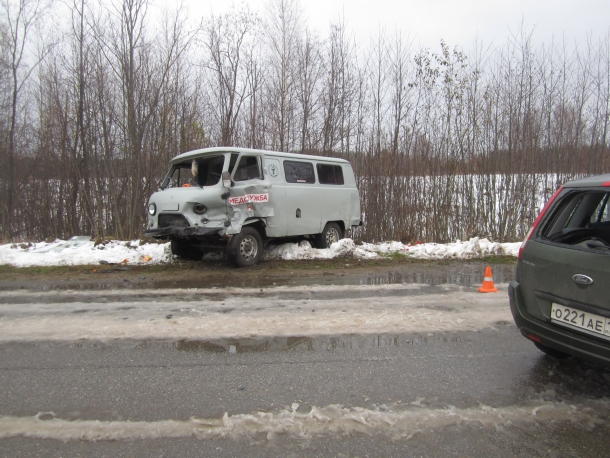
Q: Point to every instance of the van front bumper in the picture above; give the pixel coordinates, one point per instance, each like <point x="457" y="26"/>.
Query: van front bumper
<point x="553" y="336"/>
<point x="182" y="232"/>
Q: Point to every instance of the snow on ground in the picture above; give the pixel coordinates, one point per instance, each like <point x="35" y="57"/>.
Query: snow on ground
<point x="81" y="250"/>
<point x="397" y="421"/>
<point x="473" y="248"/>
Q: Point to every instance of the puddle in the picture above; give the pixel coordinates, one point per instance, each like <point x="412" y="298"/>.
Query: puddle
<point x="461" y="274"/>
<point x="77" y="285"/>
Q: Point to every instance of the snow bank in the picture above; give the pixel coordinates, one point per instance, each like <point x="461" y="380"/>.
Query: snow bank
<point x="474" y="248"/>
<point x="83" y="251"/>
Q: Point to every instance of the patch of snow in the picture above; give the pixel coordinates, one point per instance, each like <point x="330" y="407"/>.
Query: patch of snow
<point x="473" y="248"/>
<point x="393" y="421"/>
<point x="77" y="251"/>
<point x="81" y="250"/>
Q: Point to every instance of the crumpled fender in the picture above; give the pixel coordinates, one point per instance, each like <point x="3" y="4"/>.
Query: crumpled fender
<point x="247" y="203"/>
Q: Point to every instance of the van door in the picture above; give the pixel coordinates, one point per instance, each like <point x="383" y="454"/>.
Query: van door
<point x="303" y="203"/>
<point x="277" y="225"/>
<point x="250" y="191"/>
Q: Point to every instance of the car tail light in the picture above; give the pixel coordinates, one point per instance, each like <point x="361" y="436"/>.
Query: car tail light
<point x="537" y="221"/>
<point x="534" y="338"/>
<point x="606" y="184"/>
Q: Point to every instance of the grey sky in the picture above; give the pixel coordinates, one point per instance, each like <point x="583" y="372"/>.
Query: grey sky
<point x="456" y="21"/>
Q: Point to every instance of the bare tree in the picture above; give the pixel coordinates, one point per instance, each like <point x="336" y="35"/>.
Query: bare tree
<point x="339" y="89"/>
<point x="283" y="29"/>
<point x="143" y="76"/>
<point x="309" y="75"/>
<point x="21" y="19"/>
<point x="230" y="41"/>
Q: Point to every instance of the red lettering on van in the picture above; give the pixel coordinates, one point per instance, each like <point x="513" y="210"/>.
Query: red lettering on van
<point x="256" y="198"/>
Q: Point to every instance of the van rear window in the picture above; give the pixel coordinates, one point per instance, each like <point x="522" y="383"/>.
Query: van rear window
<point x="299" y="172"/>
<point x="330" y="174"/>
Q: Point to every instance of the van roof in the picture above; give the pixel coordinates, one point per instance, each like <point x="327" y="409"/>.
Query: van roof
<point x="231" y="149"/>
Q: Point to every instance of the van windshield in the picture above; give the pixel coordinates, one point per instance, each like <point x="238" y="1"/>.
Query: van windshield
<point x="200" y="172"/>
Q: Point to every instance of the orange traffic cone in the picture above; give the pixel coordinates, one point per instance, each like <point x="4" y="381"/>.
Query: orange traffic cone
<point x="488" y="282"/>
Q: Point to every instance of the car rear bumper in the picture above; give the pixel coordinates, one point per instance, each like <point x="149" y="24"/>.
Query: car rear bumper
<point x="562" y="339"/>
<point x="182" y="232"/>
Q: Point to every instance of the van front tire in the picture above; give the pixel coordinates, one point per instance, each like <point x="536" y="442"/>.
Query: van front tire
<point x="246" y="248"/>
<point x="332" y="233"/>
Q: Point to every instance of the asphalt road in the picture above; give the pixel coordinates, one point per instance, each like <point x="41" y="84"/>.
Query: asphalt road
<point x="446" y="392"/>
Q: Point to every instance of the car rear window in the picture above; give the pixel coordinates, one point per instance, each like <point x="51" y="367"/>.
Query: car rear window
<point x="580" y="218"/>
<point x="601" y="215"/>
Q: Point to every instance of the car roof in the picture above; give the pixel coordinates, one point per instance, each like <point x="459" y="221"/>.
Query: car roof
<point x="593" y="181"/>
<point x="231" y="149"/>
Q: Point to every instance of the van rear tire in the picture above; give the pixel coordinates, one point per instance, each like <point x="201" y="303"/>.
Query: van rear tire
<point x="246" y="248"/>
<point x="332" y="233"/>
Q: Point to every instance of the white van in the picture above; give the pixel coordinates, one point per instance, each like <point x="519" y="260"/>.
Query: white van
<point x="237" y="199"/>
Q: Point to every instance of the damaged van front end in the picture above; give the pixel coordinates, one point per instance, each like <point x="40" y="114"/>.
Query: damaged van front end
<point x="197" y="209"/>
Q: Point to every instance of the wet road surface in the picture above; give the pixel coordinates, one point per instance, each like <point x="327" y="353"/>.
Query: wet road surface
<point x="417" y="369"/>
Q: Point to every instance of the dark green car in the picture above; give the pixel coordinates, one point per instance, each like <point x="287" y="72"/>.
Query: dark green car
<point x="561" y="297"/>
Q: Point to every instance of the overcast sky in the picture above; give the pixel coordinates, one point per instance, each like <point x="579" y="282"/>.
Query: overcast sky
<point x="456" y="21"/>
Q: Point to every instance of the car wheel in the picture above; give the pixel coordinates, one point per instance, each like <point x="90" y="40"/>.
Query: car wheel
<point x="185" y="250"/>
<point x="332" y="233"/>
<point x="246" y="248"/>
<point x="551" y="351"/>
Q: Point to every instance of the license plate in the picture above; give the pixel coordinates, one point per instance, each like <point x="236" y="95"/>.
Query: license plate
<point x="583" y="321"/>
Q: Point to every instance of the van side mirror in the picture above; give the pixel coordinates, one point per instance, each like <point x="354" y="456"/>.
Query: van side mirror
<point x="226" y="179"/>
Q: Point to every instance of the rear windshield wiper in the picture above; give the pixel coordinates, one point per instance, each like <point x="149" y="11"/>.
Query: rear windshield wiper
<point x="597" y="245"/>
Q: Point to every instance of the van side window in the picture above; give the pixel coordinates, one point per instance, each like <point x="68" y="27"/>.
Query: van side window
<point x="180" y="174"/>
<point x="299" y="172"/>
<point x="247" y="169"/>
<point x="330" y="174"/>
<point x="207" y="171"/>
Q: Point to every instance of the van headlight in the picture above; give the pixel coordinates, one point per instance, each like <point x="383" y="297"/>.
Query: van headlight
<point x="200" y="209"/>
<point x="152" y="209"/>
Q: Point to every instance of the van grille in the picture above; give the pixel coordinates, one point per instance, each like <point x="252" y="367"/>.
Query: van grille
<point x="168" y="220"/>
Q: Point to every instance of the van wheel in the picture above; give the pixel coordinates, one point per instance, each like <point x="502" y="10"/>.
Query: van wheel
<point x="246" y="248"/>
<point x="551" y="351"/>
<point x="332" y="233"/>
<point x="184" y="250"/>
